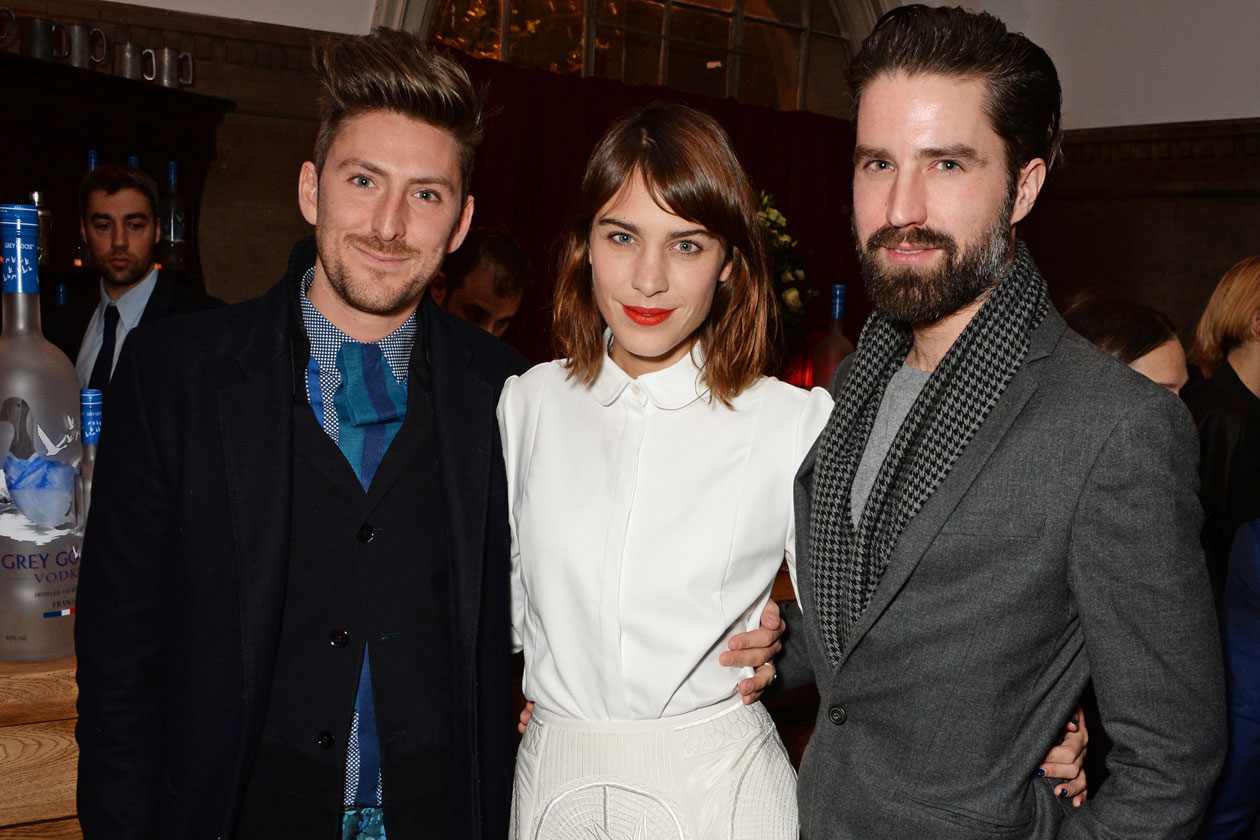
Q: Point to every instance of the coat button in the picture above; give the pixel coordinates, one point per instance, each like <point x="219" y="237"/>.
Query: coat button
<point x="338" y="638"/>
<point x="366" y="534"/>
<point x="837" y="715"/>
<point x="325" y="739"/>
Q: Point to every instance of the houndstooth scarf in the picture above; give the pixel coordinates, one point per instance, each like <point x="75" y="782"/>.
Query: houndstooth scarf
<point x="849" y="562"/>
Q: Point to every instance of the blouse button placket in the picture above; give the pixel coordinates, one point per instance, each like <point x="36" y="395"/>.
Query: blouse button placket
<point x="634" y="424"/>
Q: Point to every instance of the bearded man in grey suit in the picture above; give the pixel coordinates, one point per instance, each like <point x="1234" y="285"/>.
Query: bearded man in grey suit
<point x="996" y="513"/>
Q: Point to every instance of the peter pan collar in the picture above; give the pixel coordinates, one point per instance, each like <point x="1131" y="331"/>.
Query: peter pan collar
<point x="677" y="386"/>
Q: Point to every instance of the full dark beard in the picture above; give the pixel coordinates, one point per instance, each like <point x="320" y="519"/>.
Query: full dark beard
<point x="914" y="297"/>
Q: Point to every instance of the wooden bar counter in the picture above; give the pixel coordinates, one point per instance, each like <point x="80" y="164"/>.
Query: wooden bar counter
<point x="38" y="754"/>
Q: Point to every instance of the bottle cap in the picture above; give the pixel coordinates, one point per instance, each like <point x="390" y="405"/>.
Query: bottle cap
<point x="172" y="173"/>
<point x="19" y="247"/>
<point x="94" y="159"/>
<point x="90" y="406"/>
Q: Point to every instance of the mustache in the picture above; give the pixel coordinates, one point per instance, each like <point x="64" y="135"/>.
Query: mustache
<point x="918" y="237"/>
<point x="376" y="245"/>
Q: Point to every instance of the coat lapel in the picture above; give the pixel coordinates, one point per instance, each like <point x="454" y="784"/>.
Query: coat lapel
<point x="463" y="409"/>
<point x="161" y="301"/>
<point x="256" y="418"/>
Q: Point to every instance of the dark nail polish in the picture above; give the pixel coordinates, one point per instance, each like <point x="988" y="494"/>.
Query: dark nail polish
<point x="1040" y="772"/>
<point x="1063" y="793"/>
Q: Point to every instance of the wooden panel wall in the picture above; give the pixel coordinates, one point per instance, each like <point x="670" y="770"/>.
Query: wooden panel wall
<point x="1154" y="213"/>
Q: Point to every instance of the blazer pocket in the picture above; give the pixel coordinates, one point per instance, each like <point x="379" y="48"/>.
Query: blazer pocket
<point x="971" y="824"/>
<point x="997" y="524"/>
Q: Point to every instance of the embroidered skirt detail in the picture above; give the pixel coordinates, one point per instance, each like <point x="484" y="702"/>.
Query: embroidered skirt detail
<point x="720" y="773"/>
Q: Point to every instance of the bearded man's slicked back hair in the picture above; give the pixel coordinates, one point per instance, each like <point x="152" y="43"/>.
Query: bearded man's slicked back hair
<point x="1024" y="97"/>
<point x="396" y="71"/>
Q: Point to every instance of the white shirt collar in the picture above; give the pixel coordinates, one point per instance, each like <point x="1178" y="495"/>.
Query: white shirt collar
<point x="677" y="386"/>
<point x="132" y="302"/>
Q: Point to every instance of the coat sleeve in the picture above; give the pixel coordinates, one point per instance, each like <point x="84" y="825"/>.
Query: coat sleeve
<point x="120" y="622"/>
<point x="1145" y="607"/>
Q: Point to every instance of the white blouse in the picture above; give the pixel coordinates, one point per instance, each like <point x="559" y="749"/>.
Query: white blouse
<point x="648" y="523"/>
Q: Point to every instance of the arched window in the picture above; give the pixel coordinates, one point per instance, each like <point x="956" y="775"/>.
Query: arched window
<point x="783" y="53"/>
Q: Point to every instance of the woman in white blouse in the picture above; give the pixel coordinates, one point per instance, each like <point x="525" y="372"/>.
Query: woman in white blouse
<point x="650" y="494"/>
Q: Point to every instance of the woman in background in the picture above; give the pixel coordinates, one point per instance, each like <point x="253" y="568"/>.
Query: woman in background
<point x="1226" y="408"/>
<point x="1134" y="334"/>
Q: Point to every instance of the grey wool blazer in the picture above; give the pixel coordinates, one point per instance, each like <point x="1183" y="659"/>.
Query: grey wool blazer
<point x="1063" y="546"/>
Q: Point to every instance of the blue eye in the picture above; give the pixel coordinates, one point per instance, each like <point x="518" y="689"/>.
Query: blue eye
<point x="361" y="181"/>
<point x="622" y="238"/>
<point x="689" y="247"/>
<point x="427" y="195"/>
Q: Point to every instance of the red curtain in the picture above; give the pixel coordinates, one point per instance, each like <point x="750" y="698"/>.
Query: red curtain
<point x="544" y="126"/>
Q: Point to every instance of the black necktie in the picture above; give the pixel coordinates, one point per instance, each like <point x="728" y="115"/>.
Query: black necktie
<point x="105" y="359"/>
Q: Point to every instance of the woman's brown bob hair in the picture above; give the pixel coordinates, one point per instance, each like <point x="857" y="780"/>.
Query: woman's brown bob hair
<point x="1226" y="322"/>
<point x="686" y="161"/>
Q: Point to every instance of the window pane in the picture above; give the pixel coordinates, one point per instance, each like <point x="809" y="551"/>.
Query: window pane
<point x="821" y="17"/>
<point x="825" y="89"/>
<point x="767" y="73"/>
<point x="700" y="68"/>
<point x="719" y="5"/>
<point x="471" y="27"/>
<point x="784" y="11"/>
<point x="632" y="58"/>
<point x="646" y="15"/>
<point x="547" y="33"/>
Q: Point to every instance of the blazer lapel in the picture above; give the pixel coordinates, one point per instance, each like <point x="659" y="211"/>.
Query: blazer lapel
<point x="927" y="523"/>
<point x="256" y="418"/>
<point x="463" y="409"/>
<point x="161" y="301"/>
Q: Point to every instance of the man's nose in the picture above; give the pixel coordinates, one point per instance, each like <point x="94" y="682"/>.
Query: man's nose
<point x="390" y="219"/>
<point x="907" y="203"/>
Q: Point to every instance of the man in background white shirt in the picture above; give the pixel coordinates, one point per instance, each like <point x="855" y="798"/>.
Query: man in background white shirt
<point x="118" y="220"/>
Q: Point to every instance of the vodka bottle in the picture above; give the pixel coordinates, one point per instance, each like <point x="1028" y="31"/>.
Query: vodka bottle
<point x="172" y="251"/>
<point x="90" y="411"/>
<point x="81" y="256"/>
<point x="834" y="346"/>
<point x="40" y="537"/>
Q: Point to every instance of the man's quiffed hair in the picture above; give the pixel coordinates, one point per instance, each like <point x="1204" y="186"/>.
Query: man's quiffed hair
<point x="110" y="178"/>
<point x="1024" y="97"/>
<point x="494" y="247"/>
<point x="396" y="71"/>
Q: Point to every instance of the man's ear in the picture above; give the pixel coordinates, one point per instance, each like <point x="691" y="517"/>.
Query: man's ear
<point x="308" y="192"/>
<point x="461" y="227"/>
<point x="1032" y="176"/>
<point x="437" y="289"/>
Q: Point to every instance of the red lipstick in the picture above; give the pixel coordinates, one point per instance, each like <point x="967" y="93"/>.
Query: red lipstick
<point x="645" y="316"/>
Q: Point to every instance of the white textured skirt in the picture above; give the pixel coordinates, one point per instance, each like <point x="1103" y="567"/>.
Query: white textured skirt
<point x="720" y="773"/>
